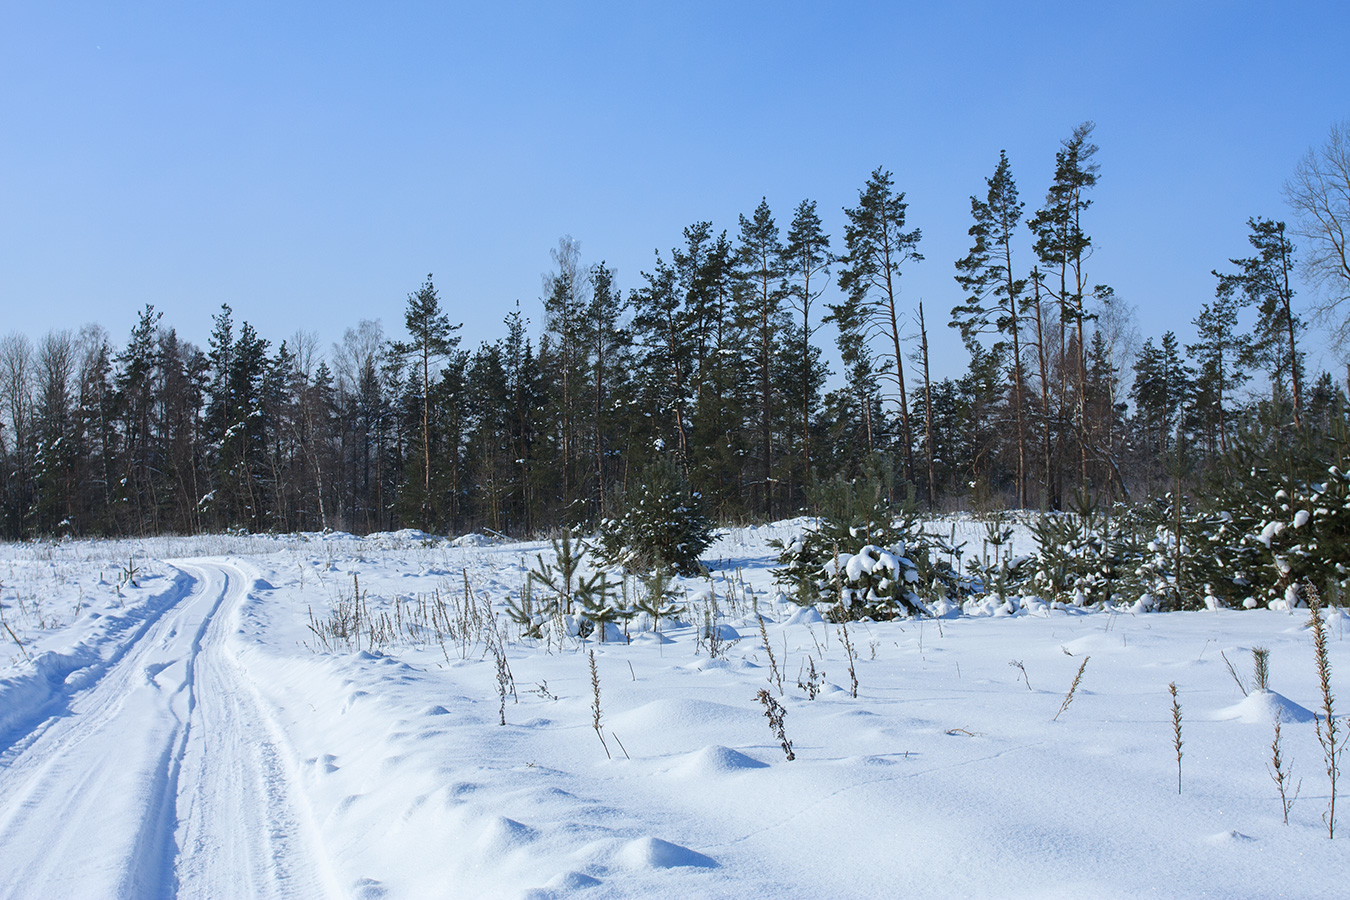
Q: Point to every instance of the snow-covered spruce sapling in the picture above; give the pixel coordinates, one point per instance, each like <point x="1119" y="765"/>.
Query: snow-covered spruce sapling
<point x="1073" y="688"/>
<point x="658" y="598"/>
<point x="1261" y="669"/>
<point x="712" y="631"/>
<point x="600" y="604"/>
<point x="1282" y="772"/>
<point x="865" y="556"/>
<point x="660" y="524"/>
<point x="775" y="713"/>
<point x="562" y="576"/>
<point x="129" y="574"/>
<point x="1328" y="731"/>
<point x="1176" y="730"/>
<point x="529" y="614"/>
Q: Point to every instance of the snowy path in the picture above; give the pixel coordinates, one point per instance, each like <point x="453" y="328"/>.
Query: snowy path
<point x="164" y="778"/>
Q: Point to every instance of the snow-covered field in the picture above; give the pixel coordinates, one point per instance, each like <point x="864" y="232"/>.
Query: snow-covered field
<point x="173" y="724"/>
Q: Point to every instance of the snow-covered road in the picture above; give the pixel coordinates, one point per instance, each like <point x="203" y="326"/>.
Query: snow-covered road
<point x="164" y="776"/>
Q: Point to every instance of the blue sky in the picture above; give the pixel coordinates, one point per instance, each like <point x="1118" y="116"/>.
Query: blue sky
<point x="310" y="163"/>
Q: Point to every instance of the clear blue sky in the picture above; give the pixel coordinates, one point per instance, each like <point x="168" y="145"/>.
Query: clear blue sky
<point x="310" y="163"/>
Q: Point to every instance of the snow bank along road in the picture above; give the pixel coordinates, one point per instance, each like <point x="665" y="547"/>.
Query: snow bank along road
<point x="161" y="775"/>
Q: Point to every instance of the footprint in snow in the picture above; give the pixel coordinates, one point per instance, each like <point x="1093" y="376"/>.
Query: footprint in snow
<point x="369" y="889"/>
<point x="1229" y="837"/>
<point x="323" y="765"/>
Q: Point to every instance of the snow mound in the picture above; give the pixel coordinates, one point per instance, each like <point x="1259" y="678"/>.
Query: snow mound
<point x="1261" y="707"/>
<point x="679" y="713"/>
<point x="472" y="540"/>
<point x="807" y="615"/>
<point x="654" y="853"/>
<point x="571" y="881"/>
<point x="718" y="760"/>
<point x="727" y="633"/>
<point x="502" y="835"/>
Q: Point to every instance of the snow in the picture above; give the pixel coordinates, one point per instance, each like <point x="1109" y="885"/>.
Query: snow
<point x="1261" y="708"/>
<point x="189" y="734"/>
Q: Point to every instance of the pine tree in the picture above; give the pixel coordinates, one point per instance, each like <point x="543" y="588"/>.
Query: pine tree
<point x="364" y="399"/>
<point x="567" y="296"/>
<point x="877" y="247"/>
<point x="994" y="294"/>
<point x="136" y="397"/>
<point x="1162" y="383"/>
<point x="431" y="339"/>
<point x="723" y="393"/>
<point x="525" y="391"/>
<point x="760" y="256"/>
<point x="182" y="378"/>
<point x="806" y="257"/>
<point x="610" y="357"/>
<point x="96" y="412"/>
<point x="860" y="371"/>
<point x="665" y="359"/>
<point x="1063" y="248"/>
<point x="931" y="480"/>
<point x="1263" y="281"/>
<point x="55" y="460"/>
<point x="1218" y="351"/>
<point x="244" y="445"/>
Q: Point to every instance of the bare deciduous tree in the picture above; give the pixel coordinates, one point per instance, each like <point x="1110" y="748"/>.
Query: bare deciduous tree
<point x="1319" y="193"/>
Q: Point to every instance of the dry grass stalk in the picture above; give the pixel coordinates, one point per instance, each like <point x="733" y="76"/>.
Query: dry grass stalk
<point x="1176" y="730"/>
<point x="775" y="674"/>
<point x="813" y="680"/>
<point x="1282" y="773"/>
<point x="506" y="682"/>
<point x="22" y="648"/>
<point x="1231" y="671"/>
<point x="1017" y="664"/>
<point x="776" y="714"/>
<point x="1073" y="689"/>
<point x="852" y="674"/>
<point x="595" y="706"/>
<point x="1328" y="733"/>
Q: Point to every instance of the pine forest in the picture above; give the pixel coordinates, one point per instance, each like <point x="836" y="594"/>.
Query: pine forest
<point x="711" y="368"/>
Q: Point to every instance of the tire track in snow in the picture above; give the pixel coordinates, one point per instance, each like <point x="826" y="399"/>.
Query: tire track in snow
<point x="245" y="829"/>
<point x="87" y="804"/>
<point x="99" y="800"/>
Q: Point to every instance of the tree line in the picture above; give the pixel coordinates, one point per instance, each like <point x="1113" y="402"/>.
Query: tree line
<point x="711" y="365"/>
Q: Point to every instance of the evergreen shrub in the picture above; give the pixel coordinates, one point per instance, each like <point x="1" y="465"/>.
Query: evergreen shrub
<point x="867" y="556"/>
<point x="660" y="525"/>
